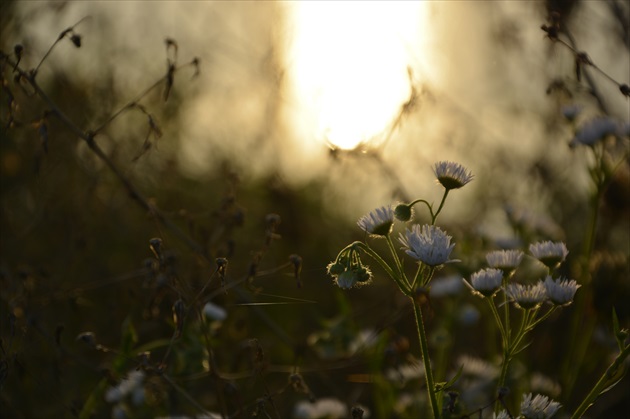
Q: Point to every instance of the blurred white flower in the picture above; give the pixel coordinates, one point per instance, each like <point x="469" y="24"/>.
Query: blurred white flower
<point x="364" y="339"/>
<point x="468" y="314"/>
<point x="506" y="260"/>
<point x="502" y="415"/>
<point x="595" y="130"/>
<point x="126" y="386"/>
<point x="543" y="384"/>
<point x="428" y="244"/>
<point x="538" y="407"/>
<point x="477" y="368"/>
<point x="378" y="223"/>
<point x="451" y="175"/>
<point x="442" y="287"/>
<point x="486" y="282"/>
<point x="549" y="253"/>
<point x="214" y="312"/>
<point x="322" y="408"/>
<point x="561" y="291"/>
<point x="406" y="372"/>
<point x="527" y="296"/>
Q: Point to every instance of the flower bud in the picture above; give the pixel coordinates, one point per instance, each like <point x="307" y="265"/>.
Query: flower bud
<point x="403" y="212"/>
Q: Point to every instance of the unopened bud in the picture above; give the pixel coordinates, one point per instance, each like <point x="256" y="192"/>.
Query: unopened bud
<point x="403" y="212"/>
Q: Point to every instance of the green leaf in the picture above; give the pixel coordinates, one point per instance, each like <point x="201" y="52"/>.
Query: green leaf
<point x="444" y="386"/>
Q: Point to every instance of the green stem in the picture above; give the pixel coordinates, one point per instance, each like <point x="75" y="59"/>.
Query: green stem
<point x="425" y="203"/>
<point x="434" y="217"/>
<point x="401" y="282"/>
<point x="424" y="348"/>
<point x="603" y="382"/>
<point x="497" y="318"/>
<point x="397" y="262"/>
<point x="508" y="352"/>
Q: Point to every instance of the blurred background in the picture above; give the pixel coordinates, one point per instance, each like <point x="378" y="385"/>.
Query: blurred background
<point x="317" y="112"/>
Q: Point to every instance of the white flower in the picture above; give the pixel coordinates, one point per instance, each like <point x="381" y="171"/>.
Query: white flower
<point x="477" y="368"/>
<point x="561" y="291"/>
<point x="378" y="223"/>
<point x="405" y="372"/>
<point x="486" y="282"/>
<point x="527" y="296"/>
<point x="322" y="408"/>
<point x="595" y="130"/>
<point x="442" y="287"/>
<point x="428" y="244"/>
<point x="451" y="175"/>
<point x="214" y="312"/>
<point x="506" y="260"/>
<point x="126" y="386"/>
<point x="539" y="407"/>
<point x="549" y="253"/>
<point x="502" y="415"/>
<point x="544" y="384"/>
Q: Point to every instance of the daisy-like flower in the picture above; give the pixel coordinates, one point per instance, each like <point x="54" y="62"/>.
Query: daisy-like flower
<point x="538" y="407"/>
<point x="561" y="291"/>
<point x="502" y="415"/>
<point x="549" y="253"/>
<point x="428" y="244"/>
<point x="595" y="130"/>
<point x="486" y="282"/>
<point x="378" y="223"/>
<point x="451" y="175"/>
<point x="527" y="296"/>
<point x="506" y="260"/>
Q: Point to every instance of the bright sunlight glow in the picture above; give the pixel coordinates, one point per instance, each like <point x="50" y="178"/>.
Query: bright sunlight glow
<point x="348" y="67"/>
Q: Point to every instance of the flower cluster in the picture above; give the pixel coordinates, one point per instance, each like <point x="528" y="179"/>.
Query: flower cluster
<point x="503" y="263"/>
<point x="428" y="244"/>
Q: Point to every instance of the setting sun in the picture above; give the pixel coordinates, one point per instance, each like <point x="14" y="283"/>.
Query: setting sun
<point x="348" y="65"/>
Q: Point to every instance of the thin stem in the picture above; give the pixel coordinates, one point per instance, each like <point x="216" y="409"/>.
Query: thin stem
<point x="602" y="383"/>
<point x="424" y="348"/>
<point x="497" y="318"/>
<point x="397" y="261"/>
<point x="429" y="207"/>
<point x="506" y="315"/>
<point x="434" y="216"/>
<point x="508" y="352"/>
<point x="401" y="282"/>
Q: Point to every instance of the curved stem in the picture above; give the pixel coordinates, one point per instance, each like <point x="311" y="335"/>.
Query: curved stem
<point x="429" y="207"/>
<point x="434" y="216"/>
<point x="404" y="288"/>
<point x="424" y="348"/>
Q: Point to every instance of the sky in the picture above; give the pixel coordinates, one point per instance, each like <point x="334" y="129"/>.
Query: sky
<point x="284" y="82"/>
